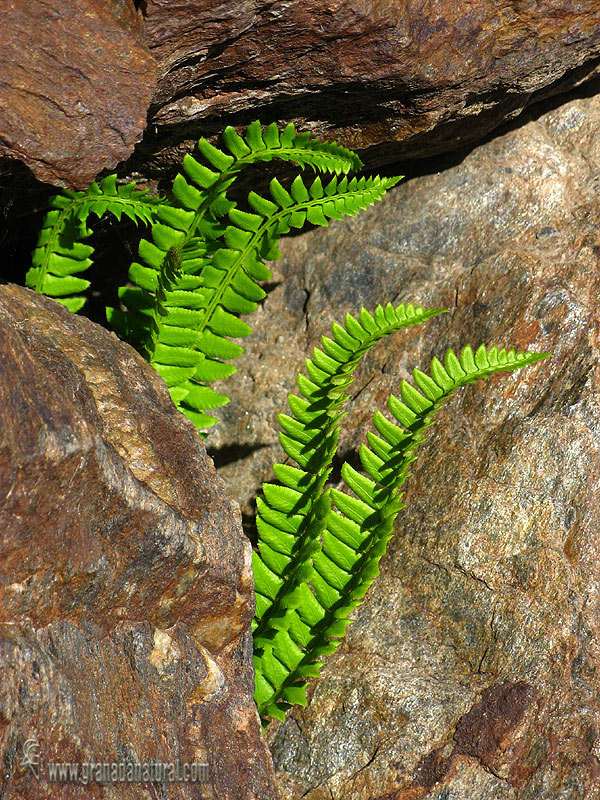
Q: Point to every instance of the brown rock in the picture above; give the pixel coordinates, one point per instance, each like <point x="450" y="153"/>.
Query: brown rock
<point x="125" y="584"/>
<point x="472" y="669"/>
<point x="77" y="81"/>
<point x="399" y="79"/>
<point x="393" y="79"/>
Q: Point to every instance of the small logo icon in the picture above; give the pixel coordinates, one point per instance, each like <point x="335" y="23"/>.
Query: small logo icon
<point x="31" y="757"/>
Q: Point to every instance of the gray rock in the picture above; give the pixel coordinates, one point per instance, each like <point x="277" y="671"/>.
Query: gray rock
<point x="126" y="591"/>
<point x="472" y="669"/>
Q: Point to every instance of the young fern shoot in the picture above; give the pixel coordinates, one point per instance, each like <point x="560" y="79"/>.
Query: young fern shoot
<point x="319" y="548"/>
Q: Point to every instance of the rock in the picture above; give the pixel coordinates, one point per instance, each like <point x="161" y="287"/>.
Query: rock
<point x="392" y="79"/>
<point x="77" y="83"/>
<point x="471" y="671"/>
<point x="126" y="591"/>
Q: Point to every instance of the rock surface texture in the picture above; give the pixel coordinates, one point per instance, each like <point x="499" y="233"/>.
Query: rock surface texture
<point x="76" y="84"/>
<point x="395" y="78"/>
<point x="125" y="584"/>
<point x="472" y="671"/>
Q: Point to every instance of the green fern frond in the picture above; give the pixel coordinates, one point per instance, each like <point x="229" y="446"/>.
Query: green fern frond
<point x="230" y="283"/>
<point x="224" y="264"/>
<point x="184" y="320"/>
<point x="292" y="518"/>
<point x="310" y="438"/>
<point x="60" y="254"/>
<point x="269" y="144"/>
<point x="316" y="563"/>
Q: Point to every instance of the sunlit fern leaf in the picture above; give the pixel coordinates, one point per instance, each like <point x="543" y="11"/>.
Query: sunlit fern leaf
<point x="231" y="280"/>
<point x="223" y="251"/>
<point x="319" y="548"/>
<point x="290" y="536"/>
<point x="270" y="143"/>
<point x="224" y="255"/>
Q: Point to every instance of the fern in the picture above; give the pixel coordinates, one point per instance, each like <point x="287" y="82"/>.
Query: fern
<point x="198" y="272"/>
<point x="184" y="323"/>
<point x="319" y="548"/>
<point x="60" y="254"/>
<point x="223" y="255"/>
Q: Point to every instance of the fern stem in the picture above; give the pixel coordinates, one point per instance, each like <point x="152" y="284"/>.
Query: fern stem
<point x="50" y="246"/>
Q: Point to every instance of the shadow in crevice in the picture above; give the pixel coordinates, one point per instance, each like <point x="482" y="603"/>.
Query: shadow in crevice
<point x="270" y="286"/>
<point x="232" y="453"/>
<point x="249" y="528"/>
<point x="549" y="100"/>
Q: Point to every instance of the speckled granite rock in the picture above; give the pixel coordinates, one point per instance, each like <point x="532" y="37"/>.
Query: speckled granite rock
<point x="125" y="584"/>
<point x="472" y="671"/>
